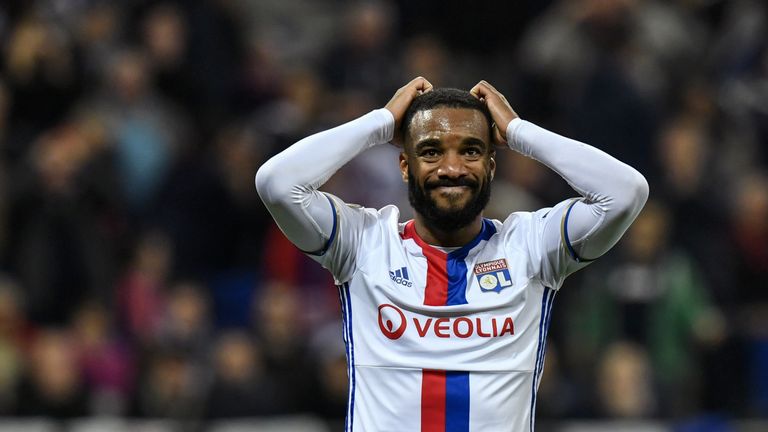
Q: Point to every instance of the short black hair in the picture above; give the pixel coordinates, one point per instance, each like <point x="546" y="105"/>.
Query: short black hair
<point x="445" y="98"/>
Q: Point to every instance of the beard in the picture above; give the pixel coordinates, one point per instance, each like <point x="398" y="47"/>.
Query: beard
<point x="453" y="218"/>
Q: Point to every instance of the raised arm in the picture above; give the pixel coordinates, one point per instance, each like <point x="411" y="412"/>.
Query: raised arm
<point x="612" y="192"/>
<point x="288" y="182"/>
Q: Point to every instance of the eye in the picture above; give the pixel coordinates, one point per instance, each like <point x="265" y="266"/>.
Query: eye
<point x="430" y="153"/>
<point x="473" y="152"/>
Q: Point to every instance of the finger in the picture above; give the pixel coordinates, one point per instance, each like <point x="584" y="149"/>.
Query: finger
<point x="477" y="91"/>
<point x="481" y="90"/>
<point x="488" y="86"/>
<point x="422" y="85"/>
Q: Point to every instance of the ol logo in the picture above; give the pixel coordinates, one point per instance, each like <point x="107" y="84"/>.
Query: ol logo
<point x="493" y="275"/>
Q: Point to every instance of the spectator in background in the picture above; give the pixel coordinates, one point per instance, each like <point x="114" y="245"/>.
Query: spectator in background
<point x="278" y="318"/>
<point x="164" y="37"/>
<point x="44" y="80"/>
<point x="170" y="387"/>
<point x="127" y="129"/>
<point x="625" y="383"/>
<point x="652" y="296"/>
<point x="63" y="217"/>
<point x="330" y="353"/>
<point x="97" y="33"/>
<point x="146" y="129"/>
<point x="749" y="239"/>
<point x="362" y="60"/>
<point x="106" y="363"/>
<point x="241" y="387"/>
<point x="52" y="385"/>
<point x="15" y="331"/>
<point x="186" y="325"/>
<point x="141" y="289"/>
<point x="518" y="185"/>
<point x="209" y="191"/>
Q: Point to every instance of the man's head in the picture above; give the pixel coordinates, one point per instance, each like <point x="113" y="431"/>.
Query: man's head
<point x="448" y="157"/>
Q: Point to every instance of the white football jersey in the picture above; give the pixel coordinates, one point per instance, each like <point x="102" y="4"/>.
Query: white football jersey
<point x="442" y="341"/>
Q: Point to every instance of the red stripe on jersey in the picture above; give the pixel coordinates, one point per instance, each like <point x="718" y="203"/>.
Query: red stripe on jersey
<point x="432" y="401"/>
<point x="436" y="291"/>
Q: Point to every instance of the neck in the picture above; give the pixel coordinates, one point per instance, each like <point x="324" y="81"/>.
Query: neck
<point x="453" y="238"/>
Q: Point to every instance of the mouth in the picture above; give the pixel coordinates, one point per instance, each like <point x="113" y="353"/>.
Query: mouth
<point x="452" y="189"/>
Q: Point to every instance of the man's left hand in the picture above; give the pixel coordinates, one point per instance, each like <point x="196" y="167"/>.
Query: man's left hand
<point x="501" y="112"/>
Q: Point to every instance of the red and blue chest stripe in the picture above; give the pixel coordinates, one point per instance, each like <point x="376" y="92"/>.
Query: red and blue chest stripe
<point x="445" y="394"/>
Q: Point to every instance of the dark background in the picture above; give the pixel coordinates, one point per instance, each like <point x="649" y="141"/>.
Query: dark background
<point x="141" y="277"/>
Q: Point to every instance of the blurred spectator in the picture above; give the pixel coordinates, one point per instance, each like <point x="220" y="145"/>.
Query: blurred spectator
<point x="652" y="296"/>
<point x="130" y="133"/>
<point x="749" y="234"/>
<point x="141" y="290"/>
<point x="363" y="59"/>
<point x="147" y="130"/>
<point x="170" y="387"/>
<point x="107" y="364"/>
<point x="329" y="350"/>
<point x="277" y="316"/>
<point x="426" y="56"/>
<point x="625" y="385"/>
<point x="518" y="182"/>
<point x="52" y="385"/>
<point x="64" y="214"/>
<point x="44" y="77"/>
<point x="14" y="333"/>
<point x="557" y="396"/>
<point x="164" y="33"/>
<point x="215" y="189"/>
<point x="98" y="32"/>
<point x="186" y="327"/>
<point x="240" y="388"/>
<point x="749" y="237"/>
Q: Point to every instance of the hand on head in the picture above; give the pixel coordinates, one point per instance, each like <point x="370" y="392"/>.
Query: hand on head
<point x="501" y="112"/>
<point x="402" y="99"/>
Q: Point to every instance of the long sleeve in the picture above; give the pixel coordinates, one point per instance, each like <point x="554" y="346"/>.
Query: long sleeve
<point x="612" y="195"/>
<point x="288" y="182"/>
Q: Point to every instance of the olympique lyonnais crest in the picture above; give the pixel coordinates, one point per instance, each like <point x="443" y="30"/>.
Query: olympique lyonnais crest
<point x="493" y="275"/>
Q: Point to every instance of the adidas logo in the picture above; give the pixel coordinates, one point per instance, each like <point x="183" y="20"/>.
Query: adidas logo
<point x="401" y="277"/>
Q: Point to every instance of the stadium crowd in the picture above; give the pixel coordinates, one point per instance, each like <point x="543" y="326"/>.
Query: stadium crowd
<point x="142" y="277"/>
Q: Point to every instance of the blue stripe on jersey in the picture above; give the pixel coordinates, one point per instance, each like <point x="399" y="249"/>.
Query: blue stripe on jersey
<point x="547" y="320"/>
<point x="346" y="319"/>
<point x="568" y="245"/>
<point x="457" y="267"/>
<point x="546" y="332"/>
<point x="328" y="244"/>
<point x="543" y="322"/>
<point x="456" y="401"/>
<point x="352" y="380"/>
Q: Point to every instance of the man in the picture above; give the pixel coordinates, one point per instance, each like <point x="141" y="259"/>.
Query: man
<point x="445" y="316"/>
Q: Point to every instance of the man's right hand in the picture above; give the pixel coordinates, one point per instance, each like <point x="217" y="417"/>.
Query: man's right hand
<point x="402" y="99"/>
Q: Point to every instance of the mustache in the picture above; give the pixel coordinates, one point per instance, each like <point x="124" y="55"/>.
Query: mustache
<point x="451" y="182"/>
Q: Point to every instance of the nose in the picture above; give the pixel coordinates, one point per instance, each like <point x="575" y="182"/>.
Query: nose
<point x="451" y="166"/>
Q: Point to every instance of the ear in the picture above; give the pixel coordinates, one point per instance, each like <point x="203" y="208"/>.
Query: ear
<point x="404" y="166"/>
<point x="492" y="165"/>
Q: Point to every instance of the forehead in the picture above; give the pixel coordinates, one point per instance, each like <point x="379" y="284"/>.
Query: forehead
<point x="444" y="123"/>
